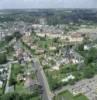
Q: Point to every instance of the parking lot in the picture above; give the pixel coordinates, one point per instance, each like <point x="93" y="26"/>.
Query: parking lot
<point x="88" y="87"/>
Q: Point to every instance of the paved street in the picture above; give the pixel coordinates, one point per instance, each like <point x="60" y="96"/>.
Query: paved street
<point x="9" y="74"/>
<point x="43" y="81"/>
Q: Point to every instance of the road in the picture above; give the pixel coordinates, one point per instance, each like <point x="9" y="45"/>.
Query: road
<point x="64" y="88"/>
<point x="46" y="95"/>
<point x="8" y="78"/>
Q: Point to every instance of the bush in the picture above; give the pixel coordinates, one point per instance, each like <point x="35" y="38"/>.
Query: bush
<point x="17" y="96"/>
<point x="3" y="58"/>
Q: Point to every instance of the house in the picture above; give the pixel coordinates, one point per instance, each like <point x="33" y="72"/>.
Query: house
<point x="41" y="34"/>
<point x="20" y="77"/>
<point x="72" y="56"/>
<point x="55" y="68"/>
<point x="52" y="48"/>
<point x="86" y="47"/>
<point x="1" y="70"/>
<point x="70" y="77"/>
<point x="34" y="47"/>
<point x="39" y="51"/>
<point x="89" y="46"/>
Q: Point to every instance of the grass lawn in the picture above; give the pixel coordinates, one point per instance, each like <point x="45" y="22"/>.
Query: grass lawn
<point x="64" y="96"/>
<point x="20" y="88"/>
<point x="16" y="69"/>
<point x="36" y="98"/>
<point x="80" y="97"/>
<point x="1" y="91"/>
<point x="44" y="41"/>
<point x="68" y="96"/>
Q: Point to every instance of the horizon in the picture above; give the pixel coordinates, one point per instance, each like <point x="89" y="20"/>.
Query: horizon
<point x="49" y="9"/>
<point x="48" y="4"/>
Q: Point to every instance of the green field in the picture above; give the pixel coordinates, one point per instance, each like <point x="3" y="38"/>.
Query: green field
<point x="68" y="96"/>
<point x="80" y="97"/>
<point x="16" y="69"/>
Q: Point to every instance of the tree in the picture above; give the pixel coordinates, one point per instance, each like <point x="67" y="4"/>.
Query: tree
<point x="80" y="47"/>
<point x="91" y="55"/>
<point x="3" y="58"/>
<point x="17" y="96"/>
<point x="17" y="34"/>
<point x="56" y="40"/>
<point x="8" y="38"/>
<point x="71" y="82"/>
<point x="89" y="71"/>
<point x="9" y="49"/>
